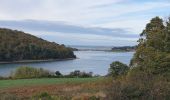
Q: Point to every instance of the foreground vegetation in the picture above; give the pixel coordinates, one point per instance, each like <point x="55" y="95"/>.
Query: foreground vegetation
<point x="17" y="46"/>
<point x="149" y="75"/>
<point x="55" y="89"/>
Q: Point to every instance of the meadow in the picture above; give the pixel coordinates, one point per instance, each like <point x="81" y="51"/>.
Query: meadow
<point x="45" y="81"/>
<point x="60" y="88"/>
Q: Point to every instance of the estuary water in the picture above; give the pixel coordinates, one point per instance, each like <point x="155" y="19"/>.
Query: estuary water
<point x="89" y="61"/>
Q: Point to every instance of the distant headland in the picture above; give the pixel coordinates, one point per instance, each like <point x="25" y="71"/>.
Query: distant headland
<point x="17" y="46"/>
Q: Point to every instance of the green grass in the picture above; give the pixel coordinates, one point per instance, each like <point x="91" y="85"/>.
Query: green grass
<point x="45" y="81"/>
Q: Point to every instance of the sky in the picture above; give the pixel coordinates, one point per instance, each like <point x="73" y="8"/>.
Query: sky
<point x="83" y="22"/>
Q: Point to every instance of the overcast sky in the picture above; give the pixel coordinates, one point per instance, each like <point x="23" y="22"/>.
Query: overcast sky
<point x="82" y="22"/>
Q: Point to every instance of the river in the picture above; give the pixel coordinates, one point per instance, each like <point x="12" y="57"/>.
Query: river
<point x="89" y="61"/>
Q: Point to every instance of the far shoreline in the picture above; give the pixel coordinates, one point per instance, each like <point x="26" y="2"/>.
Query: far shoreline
<point x="35" y="61"/>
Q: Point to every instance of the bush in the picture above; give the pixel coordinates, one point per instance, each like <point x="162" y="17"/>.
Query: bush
<point x="42" y="96"/>
<point x="58" y="74"/>
<point x="117" y="68"/>
<point x="46" y="96"/>
<point x="139" y="85"/>
<point x="80" y="74"/>
<point x="94" y="98"/>
<point x="5" y="96"/>
<point x="1" y="78"/>
<point x="29" y="72"/>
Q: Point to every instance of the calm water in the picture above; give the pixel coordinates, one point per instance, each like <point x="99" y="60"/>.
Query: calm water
<point x="95" y="61"/>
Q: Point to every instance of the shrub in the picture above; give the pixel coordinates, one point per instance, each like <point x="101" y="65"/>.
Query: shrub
<point x="58" y="74"/>
<point x="1" y="78"/>
<point x="80" y="74"/>
<point x="139" y="85"/>
<point x="94" y="98"/>
<point x="46" y="96"/>
<point x="29" y="72"/>
<point x="117" y="68"/>
<point x="6" y="96"/>
<point x="42" y="96"/>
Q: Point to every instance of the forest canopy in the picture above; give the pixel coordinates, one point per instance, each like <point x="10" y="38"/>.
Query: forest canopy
<point x="17" y="45"/>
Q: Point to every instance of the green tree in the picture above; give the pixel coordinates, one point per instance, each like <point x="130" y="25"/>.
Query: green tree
<point x="154" y="33"/>
<point x="167" y="36"/>
<point x="117" y="68"/>
<point x="58" y="74"/>
<point x="152" y="51"/>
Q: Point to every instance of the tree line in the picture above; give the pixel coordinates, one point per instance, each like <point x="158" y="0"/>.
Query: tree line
<point x="26" y="72"/>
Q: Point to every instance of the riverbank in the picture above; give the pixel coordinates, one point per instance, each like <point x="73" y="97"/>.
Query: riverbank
<point x="35" y="61"/>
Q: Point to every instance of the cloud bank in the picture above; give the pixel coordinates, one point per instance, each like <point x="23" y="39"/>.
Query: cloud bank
<point x="86" y="22"/>
<point x="62" y="27"/>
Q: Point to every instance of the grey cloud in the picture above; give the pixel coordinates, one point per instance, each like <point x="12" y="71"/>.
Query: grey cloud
<point x="62" y="27"/>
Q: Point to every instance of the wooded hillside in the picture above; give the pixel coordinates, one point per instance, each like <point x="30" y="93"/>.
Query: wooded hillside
<point x="16" y="45"/>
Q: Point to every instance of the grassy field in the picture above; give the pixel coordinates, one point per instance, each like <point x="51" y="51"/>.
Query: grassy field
<point x="45" y="81"/>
